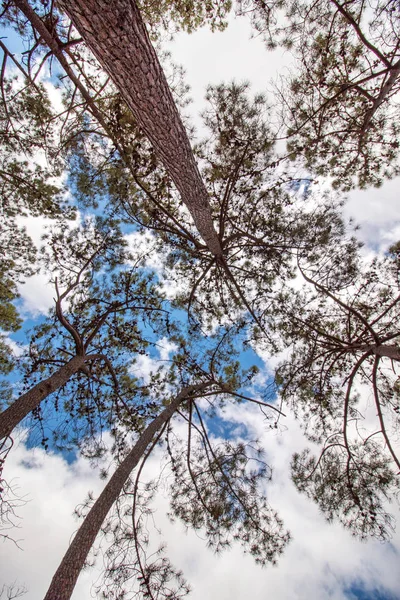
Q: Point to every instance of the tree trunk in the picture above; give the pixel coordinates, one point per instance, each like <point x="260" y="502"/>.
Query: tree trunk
<point x="117" y="36"/>
<point x="55" y="45"/>
<point x="64" y="580"/>
<point x="19" y="409"/>
<point x="391" y="351"/>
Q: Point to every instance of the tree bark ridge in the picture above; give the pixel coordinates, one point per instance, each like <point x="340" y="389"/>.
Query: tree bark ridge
<point x="383" y="350"/>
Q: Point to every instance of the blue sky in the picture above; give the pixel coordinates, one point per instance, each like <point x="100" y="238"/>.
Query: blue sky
<point x="358" y="592"/>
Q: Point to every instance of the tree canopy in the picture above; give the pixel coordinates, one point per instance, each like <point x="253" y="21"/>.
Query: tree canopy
<point x="343" y="90"/>
<point x="342" y="344"/>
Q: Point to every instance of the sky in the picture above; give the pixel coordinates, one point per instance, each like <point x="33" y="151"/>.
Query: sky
<point x="323" y="561"/>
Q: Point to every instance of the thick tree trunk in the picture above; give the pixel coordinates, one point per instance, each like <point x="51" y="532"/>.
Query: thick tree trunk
<point x="19" y="409"/>
<point x="389" y="351"/>
<point x="117" y="36"/>
<point x="65" y="578"/>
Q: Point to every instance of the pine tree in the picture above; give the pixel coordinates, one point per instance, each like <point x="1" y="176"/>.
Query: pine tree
<point x="216" y="489"/>
<point x="343" y="349"/>
<point x="140" y="79"/>
<point x="342" y="91"/>
<point x="86" y="347"/>
<point x="64" y="579"/>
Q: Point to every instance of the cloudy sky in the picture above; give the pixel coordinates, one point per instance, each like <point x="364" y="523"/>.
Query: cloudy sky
<point x="322" y="561"/>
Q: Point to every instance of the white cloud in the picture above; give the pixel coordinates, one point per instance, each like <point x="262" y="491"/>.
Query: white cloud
<point x="35" y="227"/>
<point x="145" y="249"/>
<point x="52" y="488"/>
<point x="54" y="93"/>
<point x="37" y="295"/>
<point x="144" y="365"/>
<point x="224" y="56"/>
<point x="378" y="213"/>
<point x="166" y="348"/>
<point x="16" y="349"/>
<point x="38" y="292"/>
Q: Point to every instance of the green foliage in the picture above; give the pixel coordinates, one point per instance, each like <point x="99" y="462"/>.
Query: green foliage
<point x="108" y="308"/>
<point x="262" y="221"/>
<point x="9" y="319"/>
<point x="218" y="489"/>
<point x="27" y="187"/>
<point x="16" y="257"/>
<point x="342" y="93"/>
<point x="186" y="15"/>
<point x="343" y="350"/>
<point x="354" y="488"/>
<point x="132" y="567"/>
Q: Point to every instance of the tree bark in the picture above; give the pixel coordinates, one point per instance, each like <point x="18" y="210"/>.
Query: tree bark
<point x="19" y="409"/>
<point x="64" y="580"/>
<point x="117" y="36"/>
<point x="388" y="351"/>
<point x="392" y="352"/>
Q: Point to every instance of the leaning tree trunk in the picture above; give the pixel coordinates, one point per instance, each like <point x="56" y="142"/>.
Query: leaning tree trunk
<point x="19" y="409"/>
<point x="64" y="580"/>
<point x="117" y="36"/>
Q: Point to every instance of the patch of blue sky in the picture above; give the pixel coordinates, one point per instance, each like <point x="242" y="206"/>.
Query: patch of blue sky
<point x="21" y="337"/>
<point x="248" y="358"/>
<point x="302" y="186"/>
<point x="359" y="591"/>
<point x="11" y="40"/>
<point x="40" y="433"/>
<point x="227" y="430"/>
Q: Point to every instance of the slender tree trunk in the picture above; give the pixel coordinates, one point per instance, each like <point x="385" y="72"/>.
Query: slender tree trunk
<point x="117" y="36"/>
<point x="64" y="580"/>
<point x="19" y="409"/>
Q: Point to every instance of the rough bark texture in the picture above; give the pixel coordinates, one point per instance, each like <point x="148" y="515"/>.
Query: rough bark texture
<point x="65" y="578"/>
<point x="392" y="352"/>
<point x="53" y="42"/>
<point x="14" y="414"/>
<point x="117" y="36"/>
<point x="389" y="351"/>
